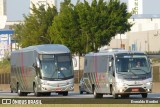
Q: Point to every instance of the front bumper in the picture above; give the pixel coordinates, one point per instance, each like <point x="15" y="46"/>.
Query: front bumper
<point x="49" y="88"/>
<point x="133" y="88"/>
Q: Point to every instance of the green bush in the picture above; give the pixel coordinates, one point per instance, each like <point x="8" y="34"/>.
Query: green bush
<point x="5" y="66"/>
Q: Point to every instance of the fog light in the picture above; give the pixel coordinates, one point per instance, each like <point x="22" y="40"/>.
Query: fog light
<point x="149" y="83"/>
<point x="120" y="90"/>
<point x="71" y="88"/>
<point x="148" y="90"/>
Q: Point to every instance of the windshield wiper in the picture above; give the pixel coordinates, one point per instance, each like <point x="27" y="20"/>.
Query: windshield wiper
<point x="132" y="72"/>
<point x="138" y="69"/>
<point x="61" y="73"/>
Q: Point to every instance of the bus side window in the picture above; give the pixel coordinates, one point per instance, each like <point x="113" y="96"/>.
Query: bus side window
<point x="111" y="66"/>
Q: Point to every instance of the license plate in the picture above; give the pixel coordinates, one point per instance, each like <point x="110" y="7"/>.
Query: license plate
<point x="58" y="89"/>
<point x="135" y="90"/>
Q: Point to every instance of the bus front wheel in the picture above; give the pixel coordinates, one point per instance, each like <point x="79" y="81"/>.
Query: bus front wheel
<point x="97" y="95"/>
<point x="144" y="95"/>
<point x="36" y="93"/>
<point x="20" y="93"/>
<point x="65" y="93"/>
<point x="115" y="96"/>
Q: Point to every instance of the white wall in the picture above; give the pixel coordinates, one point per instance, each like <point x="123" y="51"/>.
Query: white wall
<point x="144" y="35"/>
<point x="136" y="5"/>
<point x="44" y="2"/>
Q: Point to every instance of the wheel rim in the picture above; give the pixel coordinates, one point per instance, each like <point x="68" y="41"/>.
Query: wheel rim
<point x="94" y="92"/>
<point x="19" y="92"/>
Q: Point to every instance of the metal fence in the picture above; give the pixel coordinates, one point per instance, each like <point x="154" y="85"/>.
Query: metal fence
<point x="156" y="73"/>
<point x="5" y="77"/>
<point x="77" y="76"/>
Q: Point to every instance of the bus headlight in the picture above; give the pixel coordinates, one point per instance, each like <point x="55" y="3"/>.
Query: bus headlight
<point x="119" y="84"/>
<point x="69" y="82"/>
<point x="44" y="83"/>
<point x="149" y="83"/>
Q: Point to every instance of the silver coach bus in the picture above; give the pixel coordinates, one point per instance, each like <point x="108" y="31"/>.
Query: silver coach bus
<point x="117" y="72"/>
<point x="42" y="69"/>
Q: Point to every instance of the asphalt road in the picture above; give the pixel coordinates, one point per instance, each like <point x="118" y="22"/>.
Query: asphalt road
<point x="71" y="95"/>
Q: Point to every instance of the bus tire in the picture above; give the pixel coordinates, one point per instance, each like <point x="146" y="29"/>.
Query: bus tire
<point x="87" y="92"/>
<point x="11" y="88"/>
<point x="19" y="90"/>
<point x="81" y="92"/>
<point x="60" y="93"/>
<point x="11" y="91"/>
<point x="97" y="95"/>
<point x="48" y="93"/>
<point x="65" y="93"/>
<point x="125" y="96"/>
<point x="144" y="95"/>
<point x="115" y="96"/>
<point x="36" y="93"/>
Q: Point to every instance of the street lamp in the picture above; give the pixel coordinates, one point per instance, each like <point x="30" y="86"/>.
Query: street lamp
<point x="46" y="39"/>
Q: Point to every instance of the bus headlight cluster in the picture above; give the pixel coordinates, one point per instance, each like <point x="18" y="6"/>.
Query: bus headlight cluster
<point x="149" y="83"/>
<point x="69" y="82"/>
<point x="120" y="84"/>
<point x="44" y="83"/>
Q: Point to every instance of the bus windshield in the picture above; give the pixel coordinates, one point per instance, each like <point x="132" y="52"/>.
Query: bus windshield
<point x="132" y="64"/>
<point x="58" y="66"/>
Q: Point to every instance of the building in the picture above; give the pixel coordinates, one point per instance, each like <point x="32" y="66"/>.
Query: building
<point x="135" y="6"/>
<point x="5" y="43"/>
<point x="144" y="35"/>
<point x="43" y="2"/>
<point x="3" y="17"/>
<point x="3" y="7"/>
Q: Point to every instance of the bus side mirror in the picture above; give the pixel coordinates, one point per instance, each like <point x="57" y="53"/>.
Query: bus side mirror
<point x="38" y="63"/>
<point x="110" y="64"/>
<point x="150" y="61"/>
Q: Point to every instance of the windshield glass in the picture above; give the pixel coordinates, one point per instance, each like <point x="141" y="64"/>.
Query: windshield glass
<point x="58" y="66"/>
<point x="132" y="64"/>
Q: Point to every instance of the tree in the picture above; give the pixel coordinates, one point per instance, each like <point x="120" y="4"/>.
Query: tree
<point x="83" y="27"/>
<point x="35" y="27"/>
<point x="86" y="27"/>
<point x="102" y="20"/>
<point x="65" y="28"/>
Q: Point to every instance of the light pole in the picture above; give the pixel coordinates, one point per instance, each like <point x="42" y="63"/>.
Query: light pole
<point x="46" y="39"/>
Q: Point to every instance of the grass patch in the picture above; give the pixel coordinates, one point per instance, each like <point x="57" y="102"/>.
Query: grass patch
<point x="85" y="105"/>
<point x="5" y="66"/>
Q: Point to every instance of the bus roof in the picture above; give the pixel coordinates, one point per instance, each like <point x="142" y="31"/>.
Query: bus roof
<point x="113" y="52"/>
<point x="46" y="49"/>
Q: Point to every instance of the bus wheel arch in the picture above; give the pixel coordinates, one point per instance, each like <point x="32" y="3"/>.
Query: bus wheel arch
<point x="33" y="85"/>
<point x="96" y="95"/>
<point x="93" y="87"/>
<point x="17" y="87"/>
<point x="19" y="92"/>
<point x="110" y="89"/>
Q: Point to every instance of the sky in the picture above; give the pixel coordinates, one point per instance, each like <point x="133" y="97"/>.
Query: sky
<point x="17" y="8"/>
